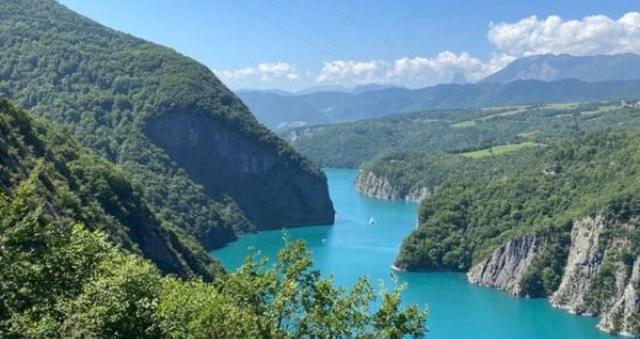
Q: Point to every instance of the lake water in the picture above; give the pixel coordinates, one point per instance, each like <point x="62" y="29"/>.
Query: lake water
<point x="352" y="248"/>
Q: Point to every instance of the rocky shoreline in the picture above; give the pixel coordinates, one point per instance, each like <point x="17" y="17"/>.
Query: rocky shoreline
<point x="370" y="184"/>
<point x="591" y="251"/>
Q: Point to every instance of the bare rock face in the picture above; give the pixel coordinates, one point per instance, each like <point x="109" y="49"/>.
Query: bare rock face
<point x="419" y="194"/>
<point x="505" y="267"/>
<point x="271" y="190"/>
<point x="624" y="316"/>
<point x="370" y="184"/>
<point x="585" y="257"/>
<point x="600" y="276"/>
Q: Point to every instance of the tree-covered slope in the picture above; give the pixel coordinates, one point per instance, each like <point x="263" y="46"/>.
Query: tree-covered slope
<point x="72" y="184"/>
<point x="73" y="234"/>
<point x="456" y="131"/>
<point x="204" y="163"/>
<point x="558" y="221"/>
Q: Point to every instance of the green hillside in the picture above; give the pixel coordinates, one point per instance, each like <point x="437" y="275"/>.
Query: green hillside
<point x="203" y="162"/>
<point x="457" y="131"/>
<point x="70" y="184"/>
<point x="541" y="191"/>
<point x="73" y="234"/>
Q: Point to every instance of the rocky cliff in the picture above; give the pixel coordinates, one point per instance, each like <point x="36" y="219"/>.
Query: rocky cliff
<point x="271" y="190"/>
<point x="370" y="184"/>
<point x="506" y="266"/>
<point x="601" y="275"/>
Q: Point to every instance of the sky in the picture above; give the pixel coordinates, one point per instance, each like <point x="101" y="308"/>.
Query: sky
<point x="296" y="44"/>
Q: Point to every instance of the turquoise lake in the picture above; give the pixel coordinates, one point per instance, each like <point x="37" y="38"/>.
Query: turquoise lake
<point x="352" y="248"/>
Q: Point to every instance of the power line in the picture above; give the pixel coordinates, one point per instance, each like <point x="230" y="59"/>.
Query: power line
<point x="309" y="27"/>
<point x="284" y="29"/>
<point x="357" y="23"/>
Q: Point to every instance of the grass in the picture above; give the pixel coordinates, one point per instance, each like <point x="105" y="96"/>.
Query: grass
<point x="463" y="124"/>
<point x="500" y="149"/>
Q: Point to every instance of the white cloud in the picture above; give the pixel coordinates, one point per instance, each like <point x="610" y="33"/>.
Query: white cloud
<point x="415" y="70"/>
<point x="590" y="35"/>
<point x="263" y="72"/>
<point x="351" y="72"/>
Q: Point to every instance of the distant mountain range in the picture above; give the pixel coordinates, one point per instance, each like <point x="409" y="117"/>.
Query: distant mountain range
<point x="550" y="67"/>
<point x="537" y="79"/>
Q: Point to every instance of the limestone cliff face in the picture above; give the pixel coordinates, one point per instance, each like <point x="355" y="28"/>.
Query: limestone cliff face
<point x="600" y="276"/>
<point x="271" y="190"/>
<point x="370" y="184"/>
<point x="505" y="267"/>
<point x="624" y="316"/>
<point x="585" y="257"/>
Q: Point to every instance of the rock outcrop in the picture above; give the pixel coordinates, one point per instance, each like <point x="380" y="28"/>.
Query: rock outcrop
<point x="505" y="267"/>
<point x="624" y="316"/>
<point x="272" y="191"/>
<point x="370" y="184"/>
<point x="601" y="276"/>
<point x="585" y="257"/>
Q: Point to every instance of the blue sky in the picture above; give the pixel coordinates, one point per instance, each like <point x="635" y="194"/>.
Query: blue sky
<point x="295" y="44"/>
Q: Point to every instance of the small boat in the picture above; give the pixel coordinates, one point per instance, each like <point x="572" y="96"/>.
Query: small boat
<point x="372" y="221"/>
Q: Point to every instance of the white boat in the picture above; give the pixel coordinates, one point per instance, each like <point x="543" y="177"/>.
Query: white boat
<point x="372" y="221"/>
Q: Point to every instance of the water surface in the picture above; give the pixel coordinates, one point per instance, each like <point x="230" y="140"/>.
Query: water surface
<point x="352" y="248"/>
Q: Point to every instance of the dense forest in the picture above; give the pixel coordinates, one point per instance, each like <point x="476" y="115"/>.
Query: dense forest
<point x="117" y="93"/>
<point x="74" y="235"/>
<point x="457" y="131"/>
<point x="539" y="191"/>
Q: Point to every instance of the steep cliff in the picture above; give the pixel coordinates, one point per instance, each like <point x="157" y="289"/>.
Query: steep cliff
<point x="585" y="258"/>
<point x="624" y="316"/>
<point x="160" y="116"/>
<point x="505" y="267"/>
<point x="272" y="192"/>
<point x="601" y="275"/>
<point x="368" y="183"/>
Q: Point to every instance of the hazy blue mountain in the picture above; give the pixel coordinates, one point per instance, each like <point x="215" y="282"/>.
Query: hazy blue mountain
<point x="550" y="67"/>
<point x="280" y="112"/>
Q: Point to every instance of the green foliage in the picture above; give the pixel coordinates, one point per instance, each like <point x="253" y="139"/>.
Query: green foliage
<point x="544" y="274"/>
<point x="75" y="184"/>
<point x="457" y="131"/>
<point x="60" y="280"/>
<point x="500" y="149"/>
<point x="539" y="191"/>
<point x="104" y="87"/>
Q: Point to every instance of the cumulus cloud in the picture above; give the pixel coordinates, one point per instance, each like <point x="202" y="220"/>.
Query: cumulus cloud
<point x="590" y="35"/>
<point x="597" y="34"/>
<point x="351" y="72"/>
<point x="408" y="70"/>
<point x="263" y="72"/>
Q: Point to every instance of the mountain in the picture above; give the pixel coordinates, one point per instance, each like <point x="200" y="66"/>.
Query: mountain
<point x="205" y="165"/>
<point x="550" y="67"/>
<point x="281" y="112"/>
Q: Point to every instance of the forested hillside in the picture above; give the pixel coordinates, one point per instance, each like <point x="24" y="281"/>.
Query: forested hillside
<point x="529" y="225"/>
<point x="72" y="229"/>
<point x="64" y="183"/>
<point x="457" y="131"/>
<point x="203" y="162"/>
